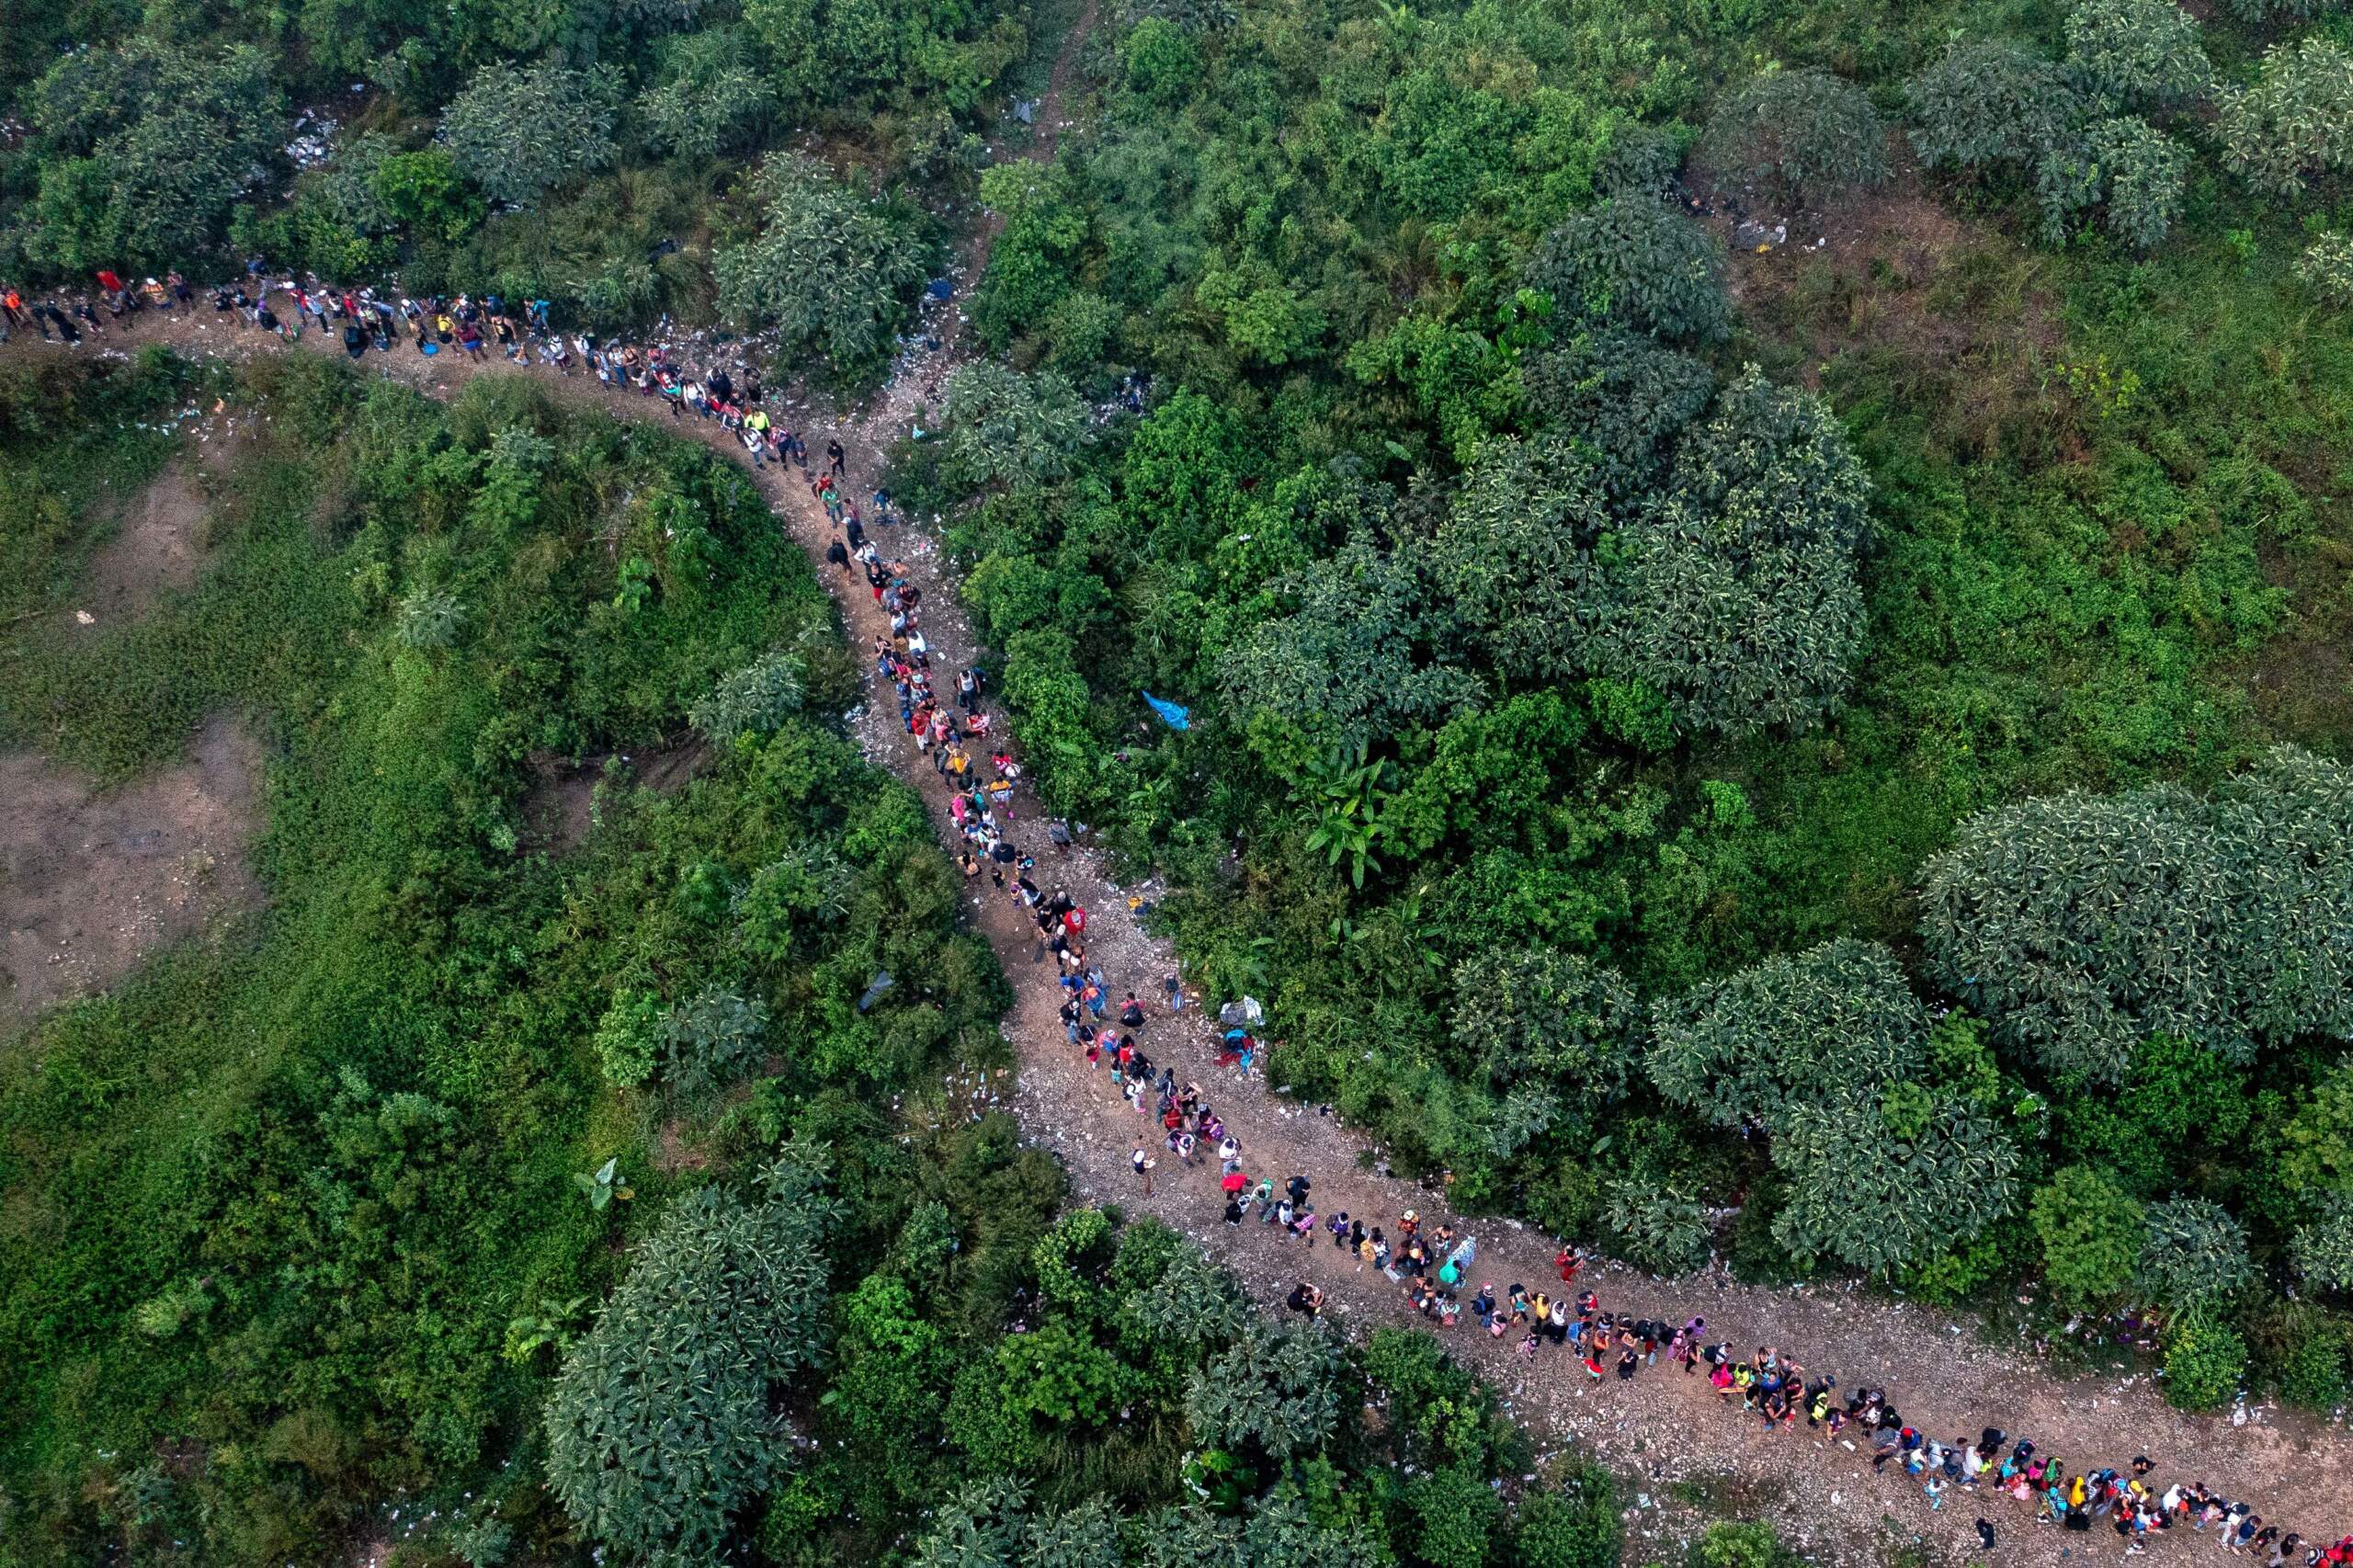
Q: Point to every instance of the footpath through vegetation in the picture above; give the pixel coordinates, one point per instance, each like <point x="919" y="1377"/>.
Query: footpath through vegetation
<point x="1645" y="1415"/>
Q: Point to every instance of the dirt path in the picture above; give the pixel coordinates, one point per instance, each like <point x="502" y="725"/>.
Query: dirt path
<point x="1661" y="1427"/>
<point x="1048" y="113"/>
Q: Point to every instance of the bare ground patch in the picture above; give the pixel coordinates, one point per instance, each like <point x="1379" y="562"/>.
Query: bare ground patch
<point x="559" y="808"/>
<point x="92" y="882"/>
<point x="157" y="545"/>
<point x="1949" y="311"/>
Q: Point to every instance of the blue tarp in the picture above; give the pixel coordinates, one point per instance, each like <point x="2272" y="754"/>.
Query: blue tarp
<point x="1179" y="718"/>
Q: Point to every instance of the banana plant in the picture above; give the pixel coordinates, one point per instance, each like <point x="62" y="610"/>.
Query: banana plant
<point x="1346" y="791"/>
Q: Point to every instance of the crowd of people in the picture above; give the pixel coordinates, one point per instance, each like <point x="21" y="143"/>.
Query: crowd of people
<point x="1766" y="1386"/>
<point x="1429" y="1268"/>
<point x="69" y="316"/>
<point x="952" y="728"/>
<point x="362" y="320"/>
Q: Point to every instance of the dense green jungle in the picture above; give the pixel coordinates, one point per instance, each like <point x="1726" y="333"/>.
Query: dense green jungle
<point x="1763" y="593"/>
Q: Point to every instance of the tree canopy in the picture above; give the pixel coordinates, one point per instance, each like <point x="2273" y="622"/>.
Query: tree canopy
<point x="830" y="273"/>
<point x="520" y="134"/>
<point x="1735" y="595"/>
<point x="147" y="147"/>
<point x="1803" y="134"/>
<point x="659" y="1426"/>
<point x="2084" y="924"/>
<point x="1753" y="1047"/>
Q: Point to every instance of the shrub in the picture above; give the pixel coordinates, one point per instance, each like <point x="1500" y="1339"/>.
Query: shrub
<point x="1161" y="61"/>
<point x="1082" y="330"/>
<point x="2205" y="1359"/>
<point x="628" y="1036"/>
<point x="753" y="701"/>
<point x="1032" y="266"/>
<point x="1804" y="133"/>
<point x="1344" y="659"/>
<point x="1571" y="1523"/>
<point x="2132" y="54"/>
<point x="2300" y="1351"/>
<point x="1623" y="398"/>
<point x="1949" y="1279"/>
<point x="2295" y="123"/>
<point x="1983" y="102"/>
<point x="429" y="619"/>
<point x="1541" y="1013"/>
<point x="520" y="131"/>
<point x="1751" y="1047"/>
<point x="424" y="191"/>
<point x="1193" y="1302"/>
<point x="2322" y="1249"/>
<point x="1275" y="1388"/>
<point x="2142" y="171"/>
<point x="1632" y="261"/>
<point x="713" y="1039"/>
<point x="2091" y="1231"/>
<point x="1730" y="1545"/>
<point x="2311" y="1376"/>
<point x="1734" y="597"/>
<point x="1640" y="160"/>
<point x="1060" y="1373"/>
<point x="2080" y="925"/>
<point x="1514" y="555"/>
<point x="2284" y="831"/>
<point x="1005" y="428"/>
<point x="831" y="272"/>
<point x="2279" y="13"/>
<point x="779" y="905"/>
<point x="1878" y="1201"/>
<point x="721" y="1305"/>
<point x="711" y="95"/>
<point x="1454" y="1516"/>
<point x="2313" y="1151"/>
<point x="1658" y="1226"/>
<point x="2191" y="1252"/>
<point x="146" y="148"/>
<point x="2327" y="268"/>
